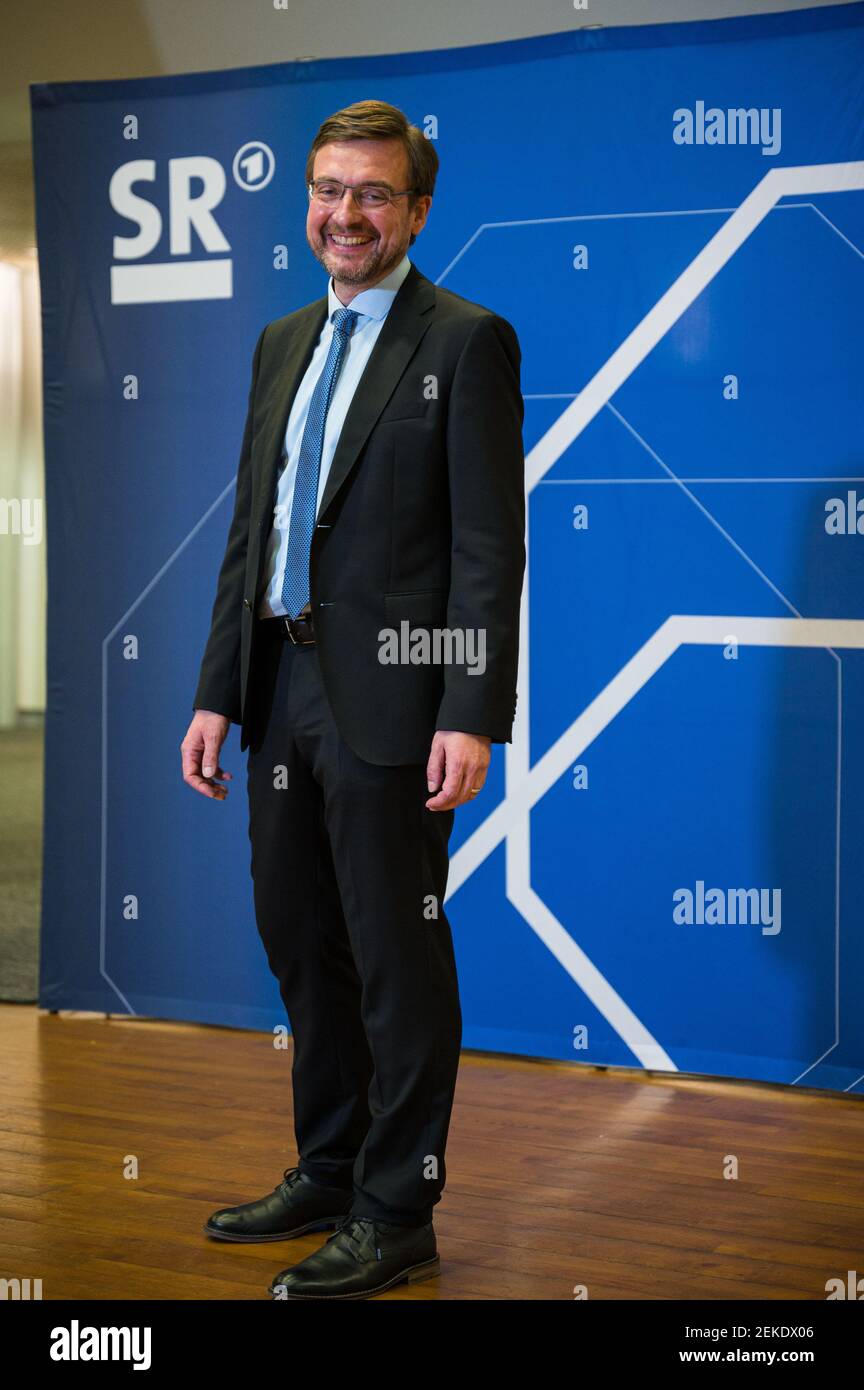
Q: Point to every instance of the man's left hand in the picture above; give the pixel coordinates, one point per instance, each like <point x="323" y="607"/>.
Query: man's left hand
<point x="457" y="765"/>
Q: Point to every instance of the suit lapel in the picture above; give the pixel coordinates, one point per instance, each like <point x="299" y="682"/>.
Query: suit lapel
<point x="301" y="345"/>
<point x="404" y="326"/>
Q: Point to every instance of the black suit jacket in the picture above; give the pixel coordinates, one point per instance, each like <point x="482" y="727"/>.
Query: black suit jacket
<point x="422" y="518"/>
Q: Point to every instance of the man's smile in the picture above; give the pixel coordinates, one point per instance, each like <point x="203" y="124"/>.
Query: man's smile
<point x="348" y="243"/>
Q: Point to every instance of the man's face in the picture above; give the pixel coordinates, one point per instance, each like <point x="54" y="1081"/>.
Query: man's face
<point x="378" y="236"/>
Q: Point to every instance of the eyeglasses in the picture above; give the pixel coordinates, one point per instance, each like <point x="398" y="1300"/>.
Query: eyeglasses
<point x="329" y="192"/>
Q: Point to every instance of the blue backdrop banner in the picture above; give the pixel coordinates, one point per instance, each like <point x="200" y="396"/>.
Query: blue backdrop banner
<point x="665" y="869"/>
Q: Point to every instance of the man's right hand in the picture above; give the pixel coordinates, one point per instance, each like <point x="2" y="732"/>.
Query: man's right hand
<point x="200" y="752"/>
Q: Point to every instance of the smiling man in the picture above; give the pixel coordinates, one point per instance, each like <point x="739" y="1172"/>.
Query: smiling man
<point x="381" y="482"/>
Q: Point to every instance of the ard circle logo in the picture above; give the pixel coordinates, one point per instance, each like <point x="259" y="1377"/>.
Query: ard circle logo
<point x="254" y="165"/>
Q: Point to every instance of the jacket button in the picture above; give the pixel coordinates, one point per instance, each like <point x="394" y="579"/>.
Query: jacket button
<point x="246" y="603"/>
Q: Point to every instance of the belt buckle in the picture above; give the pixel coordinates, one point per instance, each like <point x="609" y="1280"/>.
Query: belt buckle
<point x="289" y="628"/>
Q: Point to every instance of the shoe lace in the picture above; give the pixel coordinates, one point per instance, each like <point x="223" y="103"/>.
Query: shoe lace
<point x="290" y="1175"/>
<point x="351" y="1240"/>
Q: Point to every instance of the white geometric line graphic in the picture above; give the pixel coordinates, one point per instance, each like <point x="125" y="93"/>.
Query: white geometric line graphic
<point x="704" y="510"/>
<point x="103" y="832"/>
<point x="680" y="478"/>
<point x="591" y="217"/>
<point x="524" y="785"/>
<point x="777" y="183"/>
<point x="834" y="228"/>
<point x="679" y="629"/>
<point x="839" y="744"/>
<point x="508" y="820"/>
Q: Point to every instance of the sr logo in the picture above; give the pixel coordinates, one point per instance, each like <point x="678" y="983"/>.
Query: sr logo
<point x="196" y="185"/>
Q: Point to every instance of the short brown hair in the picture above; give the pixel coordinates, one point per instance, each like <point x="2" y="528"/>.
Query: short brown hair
<point x="378" y="120"/>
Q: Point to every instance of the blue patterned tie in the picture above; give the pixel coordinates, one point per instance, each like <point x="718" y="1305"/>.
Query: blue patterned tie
<point x="295" y="581"/>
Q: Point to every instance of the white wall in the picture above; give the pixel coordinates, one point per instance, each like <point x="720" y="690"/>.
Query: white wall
<point x="22" y="563"/>
<point x="31" y="482"/>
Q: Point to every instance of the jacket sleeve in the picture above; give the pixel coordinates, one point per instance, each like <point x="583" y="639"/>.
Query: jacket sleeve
<point x="219" y="678"/>
<point x="486" y="467"/>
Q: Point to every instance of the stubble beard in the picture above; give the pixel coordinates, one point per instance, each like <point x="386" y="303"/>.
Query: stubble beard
<point x="372" y="266"/>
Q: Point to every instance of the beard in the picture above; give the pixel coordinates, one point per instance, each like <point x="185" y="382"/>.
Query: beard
<point x="372" y="264"/>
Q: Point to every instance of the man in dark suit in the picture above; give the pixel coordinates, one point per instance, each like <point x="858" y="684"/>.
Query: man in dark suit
<point x="365" y="636"/>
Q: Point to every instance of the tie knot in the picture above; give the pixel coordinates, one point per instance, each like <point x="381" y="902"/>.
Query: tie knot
<point x="344" y="321"/>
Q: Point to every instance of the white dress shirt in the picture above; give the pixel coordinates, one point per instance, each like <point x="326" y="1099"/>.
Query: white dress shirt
<point x="372" y="306"/>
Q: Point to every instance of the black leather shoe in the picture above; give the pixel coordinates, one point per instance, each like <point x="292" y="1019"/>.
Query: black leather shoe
<point x="362" y="1258"/>
<point x="294" y="1207"/>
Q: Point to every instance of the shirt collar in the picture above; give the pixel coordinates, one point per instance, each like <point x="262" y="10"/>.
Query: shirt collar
<point x="375" y="302"/>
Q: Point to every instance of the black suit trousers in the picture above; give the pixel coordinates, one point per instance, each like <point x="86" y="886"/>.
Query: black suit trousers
<point x="349" y="872"/>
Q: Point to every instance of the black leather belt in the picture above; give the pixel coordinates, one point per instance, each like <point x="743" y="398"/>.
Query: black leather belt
<point x="299" y="631"/>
